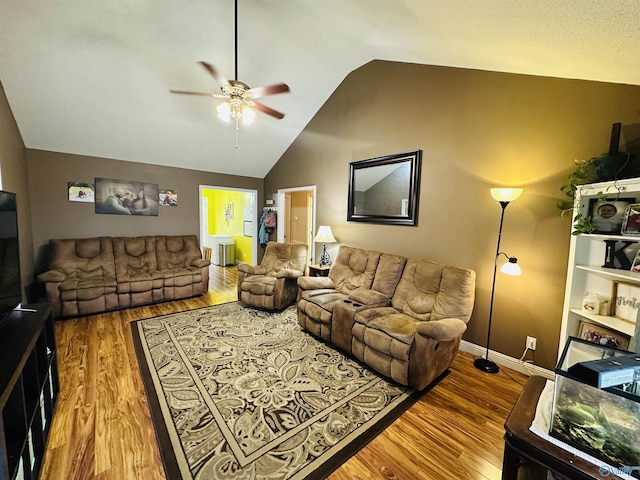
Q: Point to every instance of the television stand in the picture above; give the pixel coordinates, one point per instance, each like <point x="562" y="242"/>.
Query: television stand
<point x="28" y="310"/>
<point x="28" y="389"/>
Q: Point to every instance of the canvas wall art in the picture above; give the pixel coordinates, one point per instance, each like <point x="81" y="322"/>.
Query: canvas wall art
<point x="124" y="197"/>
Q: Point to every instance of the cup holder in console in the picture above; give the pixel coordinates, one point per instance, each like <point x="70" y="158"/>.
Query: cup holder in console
<point x="353" y="303"/>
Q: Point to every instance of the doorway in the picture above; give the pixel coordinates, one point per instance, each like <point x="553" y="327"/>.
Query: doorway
<point x="297" y="219"/>
<point x="230" y="214"/>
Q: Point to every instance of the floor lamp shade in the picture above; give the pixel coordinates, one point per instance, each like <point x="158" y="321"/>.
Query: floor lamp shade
<point x="324" y="236"/>
<point x="504" y="196"/>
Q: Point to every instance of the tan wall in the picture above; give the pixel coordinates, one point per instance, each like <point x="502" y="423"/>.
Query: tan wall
<point x="477" y="130"/>
<point x="53" y="216"/>
<point x="298" y="217"/>
<point x="14" y="179"/>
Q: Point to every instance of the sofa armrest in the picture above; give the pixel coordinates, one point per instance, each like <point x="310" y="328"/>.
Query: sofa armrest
<point x="369" y="297"/>
<point x="315" y="283"/>
<point x="289" y="273"/>
<point x="51" y="276"/>
<point x="443" y="330"/>
<point x="251" y="269"/>
<point x="200" y="263"/>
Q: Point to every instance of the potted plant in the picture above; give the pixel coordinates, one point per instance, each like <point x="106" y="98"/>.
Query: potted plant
<point x="605" y="167"/>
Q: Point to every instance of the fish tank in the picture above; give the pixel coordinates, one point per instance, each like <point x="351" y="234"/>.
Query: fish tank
<point x="596" y="405"/>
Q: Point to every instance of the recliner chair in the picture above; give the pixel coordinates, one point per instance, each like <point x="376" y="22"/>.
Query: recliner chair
<point x="272" y="285"/>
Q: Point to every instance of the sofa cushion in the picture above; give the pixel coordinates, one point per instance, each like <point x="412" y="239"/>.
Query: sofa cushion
<point x="364" y="296"/>
<point x="354" y="268"/>
<point x="176" y="251"/>
<point x="83" y="257"/>
<point x="282" y="256"/>
<point x="259" y="285"/>
<point x="134" y="256"/>
<point x="140" y="283"/>
<point x="179" y="277"/>
<point x="88" y="289"/>
<point x="319" y="304"/>
<point x="386" y="330"/>
<point x="388" y="273"/>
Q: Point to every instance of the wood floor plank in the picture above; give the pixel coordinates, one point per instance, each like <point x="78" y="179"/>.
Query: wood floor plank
<point x="102" y="427"/>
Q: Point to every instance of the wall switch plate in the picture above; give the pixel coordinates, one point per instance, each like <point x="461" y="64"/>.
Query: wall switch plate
<point x="531" y="343"/>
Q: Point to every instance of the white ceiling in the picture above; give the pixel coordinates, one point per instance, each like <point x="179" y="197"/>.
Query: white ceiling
<point x="92" y="77"/>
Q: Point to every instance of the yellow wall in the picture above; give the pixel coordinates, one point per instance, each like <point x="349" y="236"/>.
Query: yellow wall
<point x="234" y="226"/>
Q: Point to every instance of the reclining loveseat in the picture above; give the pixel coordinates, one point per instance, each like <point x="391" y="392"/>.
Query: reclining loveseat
<point x="403" y="317"/>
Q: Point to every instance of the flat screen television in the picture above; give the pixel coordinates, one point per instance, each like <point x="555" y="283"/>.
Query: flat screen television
<point x="10" y="285"/>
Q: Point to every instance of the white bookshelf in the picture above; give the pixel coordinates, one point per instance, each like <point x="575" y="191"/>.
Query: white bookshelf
<point x="586" y="271"/>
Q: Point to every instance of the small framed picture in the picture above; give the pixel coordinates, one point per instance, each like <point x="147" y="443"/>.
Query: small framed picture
<point x="631" y="222"/>
<point x="247" y="228"/>
<point x="625" y="300"/>
<point x="607" y="214"/>
<point x="168" y="198"/>
<point x="80" y="192"/>
<point x="635" y="265"/>
<point x="602" y="336"/>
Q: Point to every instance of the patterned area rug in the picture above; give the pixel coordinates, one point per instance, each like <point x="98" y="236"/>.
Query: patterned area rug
<point x="238" y="393"/>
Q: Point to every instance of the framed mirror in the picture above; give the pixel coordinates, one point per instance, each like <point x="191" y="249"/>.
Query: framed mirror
<point x="385" y="189"/>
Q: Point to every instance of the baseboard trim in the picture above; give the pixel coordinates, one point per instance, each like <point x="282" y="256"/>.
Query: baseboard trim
<point x="506" y="361"/>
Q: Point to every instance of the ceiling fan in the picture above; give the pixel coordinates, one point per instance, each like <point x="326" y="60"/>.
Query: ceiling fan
<point x="239" y="98"/>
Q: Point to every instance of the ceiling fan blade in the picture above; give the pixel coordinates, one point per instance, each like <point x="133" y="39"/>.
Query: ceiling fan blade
<point x="220" y="78"/>
<point x="187" y="92"/>
<point x="269" y="90"/>
<point x="268" y="110"/>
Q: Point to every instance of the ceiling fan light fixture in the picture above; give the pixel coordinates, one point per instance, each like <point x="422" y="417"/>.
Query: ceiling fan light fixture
<point x="224" y="111"/>
<point x="238" y="103"/>
<point x="248" y="115"/>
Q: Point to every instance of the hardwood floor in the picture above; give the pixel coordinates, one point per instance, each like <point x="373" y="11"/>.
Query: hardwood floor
<point x="102" y="428"/>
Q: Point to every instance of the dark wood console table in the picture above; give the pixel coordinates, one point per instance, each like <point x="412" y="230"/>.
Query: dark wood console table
<point x="524" y="451"/>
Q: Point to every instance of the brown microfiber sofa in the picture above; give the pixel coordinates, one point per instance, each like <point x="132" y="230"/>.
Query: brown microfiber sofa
<point x="403" y="317"/>
<point x="91" y="275"/>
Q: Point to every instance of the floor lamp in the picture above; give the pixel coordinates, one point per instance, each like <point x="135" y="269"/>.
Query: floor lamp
<point x="503" y="196"/>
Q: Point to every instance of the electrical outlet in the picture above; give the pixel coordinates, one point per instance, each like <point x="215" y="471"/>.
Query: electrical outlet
<point x="531" y="343"/>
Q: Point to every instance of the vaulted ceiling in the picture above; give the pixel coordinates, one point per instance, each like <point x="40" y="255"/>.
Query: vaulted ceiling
<point x="92" y="77"/>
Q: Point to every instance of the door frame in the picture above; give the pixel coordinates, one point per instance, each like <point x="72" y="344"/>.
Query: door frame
<point x="204" y="215"/>
<point x="282" y="218"/>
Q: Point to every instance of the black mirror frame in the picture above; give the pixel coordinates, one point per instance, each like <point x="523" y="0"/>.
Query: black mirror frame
<point x="415" y="160"/>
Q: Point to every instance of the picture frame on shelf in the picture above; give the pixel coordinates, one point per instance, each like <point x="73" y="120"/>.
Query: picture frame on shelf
<point x="631" y="222"/>
<point x="601" y="335"/>
<point x="635" y="265"/>
<point x="625" y="300"/>
<point x="607" y="214"/>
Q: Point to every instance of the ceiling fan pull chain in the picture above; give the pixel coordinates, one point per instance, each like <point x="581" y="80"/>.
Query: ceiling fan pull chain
<point x="237" y="130"/>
